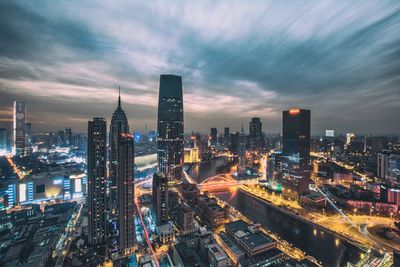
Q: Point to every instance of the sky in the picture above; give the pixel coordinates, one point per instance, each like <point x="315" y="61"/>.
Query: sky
<point x="238" y="59"/>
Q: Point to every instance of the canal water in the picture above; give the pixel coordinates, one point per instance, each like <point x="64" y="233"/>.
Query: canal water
<point x="323" y="246"/>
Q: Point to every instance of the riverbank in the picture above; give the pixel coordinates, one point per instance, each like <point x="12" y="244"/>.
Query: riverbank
<point x="293" y="214"/>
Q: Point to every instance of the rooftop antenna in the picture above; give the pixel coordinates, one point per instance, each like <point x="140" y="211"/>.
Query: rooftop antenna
<point x="119" y="96"/>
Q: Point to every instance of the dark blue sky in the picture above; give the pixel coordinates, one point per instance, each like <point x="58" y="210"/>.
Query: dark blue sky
<point x="238" y="59"/>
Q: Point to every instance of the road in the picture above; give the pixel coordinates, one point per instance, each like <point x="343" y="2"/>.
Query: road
<point x="139" y="192"/>
<point x="65" y="240"/>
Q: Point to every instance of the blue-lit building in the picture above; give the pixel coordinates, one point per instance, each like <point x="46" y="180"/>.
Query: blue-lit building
<point x="42" y="187"/>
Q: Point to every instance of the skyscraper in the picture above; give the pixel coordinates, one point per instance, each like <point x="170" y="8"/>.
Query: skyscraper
<point x="214" y="136"/>
<point x="234" y="141"/>
<point x="160" y="197"/>
<point x="255" y="135"/>
<point x="226" y="136"/>
<point x="126" y="187"/>
<point x="68" y="137"/>
<point x="296" y="135"/>
<point x="97" y="178"/>
<point x="170" y="127"/>
<point x="119" y="124"/>
<point x="19" y="128"/>
<point x="295" y="162"/>
<point x="242" y="151"/>
<point x="60" y="138"/>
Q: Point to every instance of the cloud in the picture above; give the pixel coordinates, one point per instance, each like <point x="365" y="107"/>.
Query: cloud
<point x="339" y="59"/>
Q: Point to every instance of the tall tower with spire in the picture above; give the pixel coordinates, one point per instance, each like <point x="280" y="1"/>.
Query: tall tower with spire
<point x="119" y="124"/>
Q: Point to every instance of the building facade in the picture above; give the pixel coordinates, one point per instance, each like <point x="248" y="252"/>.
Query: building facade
<point x="97" y="179"/>
<point x="126" y="194"/>
<point x="160" y="198"/>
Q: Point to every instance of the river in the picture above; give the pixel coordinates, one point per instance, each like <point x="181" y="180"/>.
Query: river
<point x="324" y="246"/>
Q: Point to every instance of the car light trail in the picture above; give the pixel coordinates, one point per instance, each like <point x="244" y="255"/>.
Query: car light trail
<point x="15" y="168"/>
<point x="146" y="233"/>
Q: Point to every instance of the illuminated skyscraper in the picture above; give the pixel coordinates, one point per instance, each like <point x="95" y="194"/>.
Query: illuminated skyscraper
<point x="126" y="187"/>
<point x="97" y="178"/>
<point x="170" y="127"/>
<point x="296" y="135"/>
<point x="296" y="153"/>
<point x="19" y="128"/>
<point x="119" y="124"/>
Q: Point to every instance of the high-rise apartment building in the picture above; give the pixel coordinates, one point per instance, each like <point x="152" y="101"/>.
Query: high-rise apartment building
<point x="68" y="137"/>
<point x="214" y="136"/>
<point x="19" y="128"/>
<point x="255" y="136"/>
<point x="242" y="151"/>
<point x="97" y="179"/>
<point x="160" y="197"/>
<point x="126" y="187"/>
<point x="388" y="167"/>
<point x="170" y="127"/>
<point x="226" y="136"/>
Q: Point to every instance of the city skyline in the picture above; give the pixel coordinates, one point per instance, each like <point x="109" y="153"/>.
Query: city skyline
<point x="123" y="141"/>
<point x="259" y="67"/>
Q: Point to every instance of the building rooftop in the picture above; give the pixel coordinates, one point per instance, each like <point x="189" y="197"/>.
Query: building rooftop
<point x="271" y="256"/>
<point x="257" y="240"/>
<point x="188" y="256"/>
<point x="217" y="251"/>
<point x="236" y="226"/>
<point x="232" y="246"/>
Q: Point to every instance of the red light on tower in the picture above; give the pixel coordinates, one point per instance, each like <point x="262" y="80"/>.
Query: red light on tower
<point x="294" y="111"/>
<point x="127" y="135"/>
